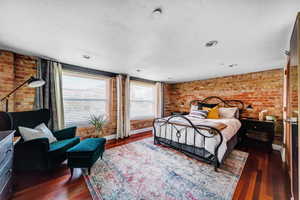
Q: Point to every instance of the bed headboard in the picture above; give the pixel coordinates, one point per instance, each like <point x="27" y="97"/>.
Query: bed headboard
<point x="222" y="102"/>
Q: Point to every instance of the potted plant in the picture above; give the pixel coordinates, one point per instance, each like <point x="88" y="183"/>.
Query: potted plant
<point x="98" y="122"/>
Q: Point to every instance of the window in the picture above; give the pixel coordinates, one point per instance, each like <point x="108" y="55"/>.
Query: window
<point x="83" y="95"/>
<point x="142" y="100"/>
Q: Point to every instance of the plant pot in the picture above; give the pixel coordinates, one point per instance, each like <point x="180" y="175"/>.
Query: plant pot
<point x="97" y="134"/>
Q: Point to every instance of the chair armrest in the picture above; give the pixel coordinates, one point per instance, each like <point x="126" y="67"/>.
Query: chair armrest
<point x="66" y="133"/>
<point x="31" y="155"/>
<point x="36" y="145"/>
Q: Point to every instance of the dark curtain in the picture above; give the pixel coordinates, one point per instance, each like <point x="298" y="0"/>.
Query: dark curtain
<point x="50" y="95"/>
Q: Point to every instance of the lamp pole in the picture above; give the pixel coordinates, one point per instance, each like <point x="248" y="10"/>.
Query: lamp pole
<point x="30" y="80"/>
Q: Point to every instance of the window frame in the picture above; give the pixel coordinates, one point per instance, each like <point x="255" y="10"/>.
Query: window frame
<point x="141" y="83"/>
<point x="80" y="74"/>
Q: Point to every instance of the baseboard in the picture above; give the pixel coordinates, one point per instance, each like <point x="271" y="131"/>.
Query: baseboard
<point x="110" y="137"/>
<point x="132" y="132"/>
<point x="142" y="130"/>
<point x="279" y="148"/>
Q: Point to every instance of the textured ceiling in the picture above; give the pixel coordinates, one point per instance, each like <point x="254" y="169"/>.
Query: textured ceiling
<point x="123" y="35"/>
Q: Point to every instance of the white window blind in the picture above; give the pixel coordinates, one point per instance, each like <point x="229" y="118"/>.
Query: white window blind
<point x="142" y="100"/>
<point x="83" y="95"/>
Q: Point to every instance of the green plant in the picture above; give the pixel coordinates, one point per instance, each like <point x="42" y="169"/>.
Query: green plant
<point x="98" y="122"/>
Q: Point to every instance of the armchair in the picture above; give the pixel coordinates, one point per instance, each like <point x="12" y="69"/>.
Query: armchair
<point x="38" y="154"/>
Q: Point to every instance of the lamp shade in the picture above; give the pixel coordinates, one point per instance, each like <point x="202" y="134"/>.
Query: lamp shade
<point x="35" y="82"/>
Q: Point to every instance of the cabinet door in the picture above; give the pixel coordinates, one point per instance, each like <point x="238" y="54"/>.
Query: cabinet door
<point x="291" y="109"/>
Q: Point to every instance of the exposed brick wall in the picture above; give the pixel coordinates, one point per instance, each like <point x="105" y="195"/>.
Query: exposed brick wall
<point x="139" y="124"/>
<point x="14" y="70"/>
<point x="7" y="77"/>
<point x="293" y="82"/>
<point x="25" y="67"/>
<point x="263" y="90"/>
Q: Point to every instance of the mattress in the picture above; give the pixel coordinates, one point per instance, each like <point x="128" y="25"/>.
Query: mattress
<point x="188" y="135"/>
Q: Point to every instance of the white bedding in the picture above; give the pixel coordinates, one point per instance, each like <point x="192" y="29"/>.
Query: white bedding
<point x="233" y="126"/>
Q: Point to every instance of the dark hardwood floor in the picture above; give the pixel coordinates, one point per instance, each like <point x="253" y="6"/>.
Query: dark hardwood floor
<point x="264" y="177"/>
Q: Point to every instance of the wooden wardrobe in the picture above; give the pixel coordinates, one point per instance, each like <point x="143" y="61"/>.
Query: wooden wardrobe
<point x="291" y="110"/>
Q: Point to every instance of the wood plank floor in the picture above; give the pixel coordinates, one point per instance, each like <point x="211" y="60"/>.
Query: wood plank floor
<point x="264" y="177"/>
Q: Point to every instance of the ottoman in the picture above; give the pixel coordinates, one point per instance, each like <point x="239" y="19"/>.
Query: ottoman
<point x="85" y="154"/>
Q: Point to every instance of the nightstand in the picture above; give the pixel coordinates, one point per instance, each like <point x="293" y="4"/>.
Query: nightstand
<point x="179" y="113"/>
<point x="259" y="132"/>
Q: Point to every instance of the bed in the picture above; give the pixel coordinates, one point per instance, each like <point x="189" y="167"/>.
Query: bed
<point x="208" y="140"/>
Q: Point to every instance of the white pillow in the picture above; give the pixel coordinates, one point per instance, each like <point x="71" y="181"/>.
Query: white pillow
<point x="30" y="134"/>
<point x="48" y="134"/>
<point x="194" y="107"/>
<point x="201" y="114"/>
<point x="38" y="132"/>
<point x="228" y="112"/>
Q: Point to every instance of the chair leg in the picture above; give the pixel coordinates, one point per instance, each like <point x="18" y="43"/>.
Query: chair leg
<point x="72" y="171"/>
<point x="89" y="171"/>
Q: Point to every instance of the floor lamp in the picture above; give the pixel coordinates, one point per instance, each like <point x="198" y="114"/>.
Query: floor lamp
<point x="32" y="82"/>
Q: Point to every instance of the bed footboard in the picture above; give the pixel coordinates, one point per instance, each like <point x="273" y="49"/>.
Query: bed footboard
<point x="179" y="139"/>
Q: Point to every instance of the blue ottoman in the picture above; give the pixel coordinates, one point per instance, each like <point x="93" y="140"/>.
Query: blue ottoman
<point x="85" y="154"/>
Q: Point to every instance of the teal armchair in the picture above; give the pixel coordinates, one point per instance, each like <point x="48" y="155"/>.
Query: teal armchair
<point x="38" y="154"/>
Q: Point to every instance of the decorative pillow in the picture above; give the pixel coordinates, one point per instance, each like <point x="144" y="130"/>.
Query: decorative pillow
<point x="41" y="131"/>
<point x="213" y="113"/>
<point x="201" y="114"/>
<point x="207" y="105"/>
<point x="42" y="127"/>
<point x="229" y="112"/>
<point x="30" y="134"/>
<point x="194" y="107"/>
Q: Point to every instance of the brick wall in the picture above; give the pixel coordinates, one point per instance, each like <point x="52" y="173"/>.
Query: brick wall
<point x="14" y="70"/>
<point x="263" y="90"/>
<point x="293" y="82"/>
<point x="139" y="124"/>
<point x="25" y="67"/>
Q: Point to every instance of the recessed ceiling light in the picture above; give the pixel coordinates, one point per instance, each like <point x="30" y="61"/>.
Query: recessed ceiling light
<point x="211" y="43"/>
<point x="86" y="56"/>
<point x="232" y="65"/>
<point x="157" y="11"/>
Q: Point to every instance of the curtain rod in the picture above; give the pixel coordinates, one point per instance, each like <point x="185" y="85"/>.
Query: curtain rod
<point x="141" y="79"/>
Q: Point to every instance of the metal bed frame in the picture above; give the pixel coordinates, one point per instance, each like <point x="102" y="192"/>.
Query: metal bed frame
<point x="177" y="131"/>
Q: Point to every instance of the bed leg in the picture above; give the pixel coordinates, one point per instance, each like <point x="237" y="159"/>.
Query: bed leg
<point x="156" y="142"/>
<point x="216" y="165"/>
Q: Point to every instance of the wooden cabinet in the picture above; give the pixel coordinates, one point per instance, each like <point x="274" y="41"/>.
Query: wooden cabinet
<point x="291" y="107"/>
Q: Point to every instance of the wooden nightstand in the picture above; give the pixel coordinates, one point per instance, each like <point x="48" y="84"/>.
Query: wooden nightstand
<point x="260" y="132"/>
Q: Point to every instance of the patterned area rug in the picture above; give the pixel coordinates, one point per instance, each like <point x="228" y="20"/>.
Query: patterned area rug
<point x="144" y="171"/>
